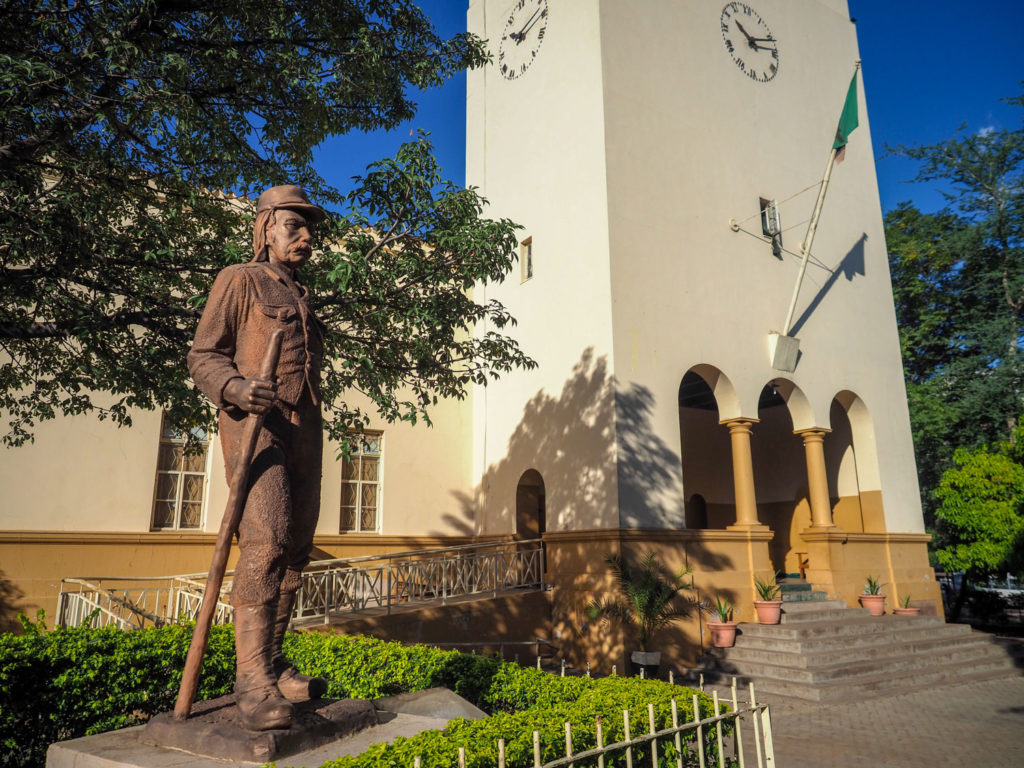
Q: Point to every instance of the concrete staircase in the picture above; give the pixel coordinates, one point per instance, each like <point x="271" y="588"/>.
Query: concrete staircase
<point x="825" y="651"/>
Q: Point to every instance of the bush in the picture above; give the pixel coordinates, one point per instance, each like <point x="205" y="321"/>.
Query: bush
<point x="75" y="682"/>
<point x="576" y="700"/>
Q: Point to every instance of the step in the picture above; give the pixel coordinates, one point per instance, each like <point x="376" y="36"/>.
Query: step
<point x="867" y="685"/>
<point x="796" y="658"/>
<point x="842" y="644"/>
<point x="813" y="596"/>
<point x="817" y="610"/>
<point x="924" y="674"/>
<point x="850" y="625"/>
<point x="901" y="665"/>
<point x="794" y="585"/>
<point x="885" y="682"/>
<point x="810" y="636"/>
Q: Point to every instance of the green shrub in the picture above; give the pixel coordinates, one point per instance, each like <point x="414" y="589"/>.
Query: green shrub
<point x="578" y="701"/>
<point x="75" y="682"/>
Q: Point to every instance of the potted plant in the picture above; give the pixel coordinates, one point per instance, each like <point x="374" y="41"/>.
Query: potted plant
<point x="649" y="599"/>
<point x="873" y="599"/>
<point x="723" y="631"/>
<point x="769" y="606"/>
<point x="904" y="609"/>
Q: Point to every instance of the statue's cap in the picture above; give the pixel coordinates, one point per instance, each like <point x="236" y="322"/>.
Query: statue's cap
<point x="292" y="198"/>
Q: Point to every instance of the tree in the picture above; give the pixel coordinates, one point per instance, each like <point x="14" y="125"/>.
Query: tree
<point x="132" y="136"/>
<point x="649" y="596"/>
<point x="958" y="284"/>
<point x="980" y="517"/>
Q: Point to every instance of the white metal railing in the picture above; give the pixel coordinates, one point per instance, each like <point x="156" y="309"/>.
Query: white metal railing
<point x="128" y="603"/>
<point x="329" y="587"/>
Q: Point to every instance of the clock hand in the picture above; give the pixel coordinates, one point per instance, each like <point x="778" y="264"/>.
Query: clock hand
<point x="521" y="34"/>
<point x="750" y="39"/>
<point x="532" y="24"/>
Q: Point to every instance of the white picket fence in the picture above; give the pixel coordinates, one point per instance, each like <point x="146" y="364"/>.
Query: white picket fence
<point x="749" y="740"/>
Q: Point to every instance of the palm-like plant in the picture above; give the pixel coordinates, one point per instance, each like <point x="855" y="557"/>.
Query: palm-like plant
<point x="649" y="596"/>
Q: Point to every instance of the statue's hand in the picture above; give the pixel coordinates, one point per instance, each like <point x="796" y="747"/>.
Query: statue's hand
<point x="251" y="395"/>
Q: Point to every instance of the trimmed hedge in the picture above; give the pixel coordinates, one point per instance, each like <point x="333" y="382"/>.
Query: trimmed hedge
<point x="67" y="683"/>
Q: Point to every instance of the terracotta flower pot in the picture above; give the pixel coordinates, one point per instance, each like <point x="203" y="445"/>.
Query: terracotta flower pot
<point x="874" y="603"/>
<point x="723" y="633"/>
<point x="768" y="611"/>
<point x="906" y="611"/>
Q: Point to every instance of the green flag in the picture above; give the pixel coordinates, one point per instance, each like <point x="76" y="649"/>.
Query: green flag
<point x="848" y="120"/>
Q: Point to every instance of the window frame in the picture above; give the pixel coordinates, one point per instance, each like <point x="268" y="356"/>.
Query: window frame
<point x="360" y="483"/>
<point x="165" y="439"/>
<point x="526" y="259"/>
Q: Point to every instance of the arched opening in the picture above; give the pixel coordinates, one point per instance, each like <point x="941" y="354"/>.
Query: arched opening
<point x="696" y="512"/>
<point x="706" y="396"/>
<point x="780" y="471"/>
<point x="530" y="510"/>
<point x="852" y="463"/>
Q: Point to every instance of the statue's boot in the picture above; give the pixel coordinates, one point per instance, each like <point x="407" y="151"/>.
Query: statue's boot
<point x="261" y="706"/>
<point x="293" y="685"/>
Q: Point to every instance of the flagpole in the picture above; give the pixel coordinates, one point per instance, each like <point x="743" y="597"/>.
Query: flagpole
<point x="805" y="247"/>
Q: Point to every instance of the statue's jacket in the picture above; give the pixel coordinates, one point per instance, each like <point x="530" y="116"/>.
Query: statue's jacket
<point x="247" y="302"/>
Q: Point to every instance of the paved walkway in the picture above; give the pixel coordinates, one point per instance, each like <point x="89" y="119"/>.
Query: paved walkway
<point x="978" y="724"/>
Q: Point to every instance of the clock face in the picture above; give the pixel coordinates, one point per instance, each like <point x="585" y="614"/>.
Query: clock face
<point x="749" y="41"/>
<point x="524" y="32"/>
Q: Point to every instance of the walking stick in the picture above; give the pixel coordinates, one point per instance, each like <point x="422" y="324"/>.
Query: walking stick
<point x="228" y="526"/>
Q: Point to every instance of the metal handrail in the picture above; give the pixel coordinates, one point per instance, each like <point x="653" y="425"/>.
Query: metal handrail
<point x="329" y="587"/>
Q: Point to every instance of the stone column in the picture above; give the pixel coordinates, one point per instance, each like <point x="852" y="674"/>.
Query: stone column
<point x="817" y="479"/>
<point x="743" y="474"/>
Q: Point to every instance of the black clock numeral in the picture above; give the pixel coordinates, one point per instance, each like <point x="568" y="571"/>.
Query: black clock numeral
<point x="775" y="53"/>
<point x="729" y="46"/>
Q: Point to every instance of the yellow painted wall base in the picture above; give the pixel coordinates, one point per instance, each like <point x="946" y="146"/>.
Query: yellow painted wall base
<point x="481" y="624"/>
<point x="840" y="562"/>
<point x="32" y="564"/>
<point x="723" y="563"/>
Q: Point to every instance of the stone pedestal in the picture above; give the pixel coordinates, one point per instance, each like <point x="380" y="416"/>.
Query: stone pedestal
<point x="397" y="716"/>
<point x="213" y="729"/>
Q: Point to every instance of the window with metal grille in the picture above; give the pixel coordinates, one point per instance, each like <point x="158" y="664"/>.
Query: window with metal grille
<point x="360" y="484"/>
<point x="180" y="480"/>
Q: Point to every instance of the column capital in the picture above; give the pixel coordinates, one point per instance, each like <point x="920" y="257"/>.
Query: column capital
<point x="812" y="433"/>
<point x="739" y="422"/>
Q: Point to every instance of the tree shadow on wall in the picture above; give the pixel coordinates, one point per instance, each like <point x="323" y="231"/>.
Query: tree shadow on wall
<point x="9" y="597"/>
<point x="573" y="439"/>
<point x="569" y="439"/>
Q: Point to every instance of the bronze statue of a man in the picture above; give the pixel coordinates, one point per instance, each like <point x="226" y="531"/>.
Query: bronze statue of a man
<point x="275" y="536"/>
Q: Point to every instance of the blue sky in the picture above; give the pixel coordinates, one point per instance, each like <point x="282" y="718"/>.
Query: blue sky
<point x="928" y="68"/>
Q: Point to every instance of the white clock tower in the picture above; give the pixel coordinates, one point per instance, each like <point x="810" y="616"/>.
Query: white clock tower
<point x="664" y="159"/>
